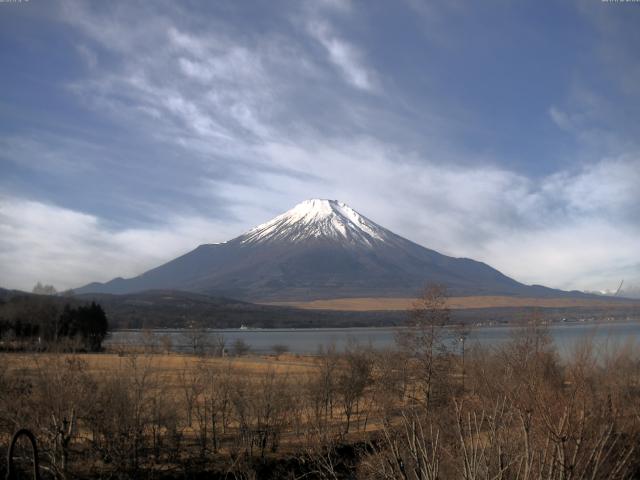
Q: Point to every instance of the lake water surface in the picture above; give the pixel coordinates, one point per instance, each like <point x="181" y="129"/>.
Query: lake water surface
<point x="308" y="341"/>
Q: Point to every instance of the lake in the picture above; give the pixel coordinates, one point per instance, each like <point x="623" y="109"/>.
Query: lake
<point x="308" y="341"/>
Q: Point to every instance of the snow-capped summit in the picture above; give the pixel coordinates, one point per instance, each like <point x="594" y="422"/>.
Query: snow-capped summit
<point x="319" y="219"/>
<point x="318" y="249"/>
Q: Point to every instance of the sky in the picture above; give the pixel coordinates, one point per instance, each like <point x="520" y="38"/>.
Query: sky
<point x="507" y="132"/>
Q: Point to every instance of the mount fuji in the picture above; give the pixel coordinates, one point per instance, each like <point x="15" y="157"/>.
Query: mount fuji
<point x="320" y="249"/>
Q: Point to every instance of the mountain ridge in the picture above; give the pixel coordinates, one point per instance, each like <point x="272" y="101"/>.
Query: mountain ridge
<point x="320" y="249"/>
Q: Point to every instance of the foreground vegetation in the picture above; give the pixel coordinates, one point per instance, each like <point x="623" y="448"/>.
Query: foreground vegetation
<point x="37" y="323"/>
<point x="426" y="410"/>
<point x="414" y="413"/>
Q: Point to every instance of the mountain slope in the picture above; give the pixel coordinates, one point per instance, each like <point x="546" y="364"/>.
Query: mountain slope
<point x="319" y="249"/>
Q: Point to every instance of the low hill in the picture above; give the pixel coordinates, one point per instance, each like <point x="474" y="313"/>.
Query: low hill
<point x="176" y="309"/>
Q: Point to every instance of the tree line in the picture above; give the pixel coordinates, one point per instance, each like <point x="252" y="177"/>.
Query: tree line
<point x="40" y="322"/>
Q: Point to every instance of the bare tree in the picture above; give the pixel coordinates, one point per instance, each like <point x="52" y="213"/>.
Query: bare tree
<point x="321" y="389"/>
<point x="410" y="450"/>
<point x="423" y="337"/>
<point x="353" y="377"/>
<point x="190" y="387"/>
<point x="121" y="414"/>
<point x="167" y="343"/>
<point x="279" y="349"/>
<point x="218" y="345"/>
<point x="196" y="338"/>
<point x="392" y="380"/>
<point x="240" y="347"/>
<point x="64" y="390"/>
<point x="149" y="341"/>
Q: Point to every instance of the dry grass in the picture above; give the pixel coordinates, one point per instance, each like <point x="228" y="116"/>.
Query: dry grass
<point x="169" y="365"/>
<point x="390" y="304"/>
<point x="149" y="411"/>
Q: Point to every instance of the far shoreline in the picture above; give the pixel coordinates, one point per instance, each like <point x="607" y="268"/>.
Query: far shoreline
<point x="395" y="304"/>
<point x="514" y="324"/>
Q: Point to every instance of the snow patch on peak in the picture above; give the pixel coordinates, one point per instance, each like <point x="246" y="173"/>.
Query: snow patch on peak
<point x="318" y="218"/>
<point x="311" y="210"/>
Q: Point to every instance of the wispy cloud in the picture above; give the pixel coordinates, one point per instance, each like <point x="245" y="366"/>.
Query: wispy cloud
<point x="67" y="248"/>
<point x="344" y="56"/>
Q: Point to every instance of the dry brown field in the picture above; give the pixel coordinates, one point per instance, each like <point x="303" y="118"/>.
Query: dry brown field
<point x="359" y="414"/>
<point x="364" y="304"/>
<point x="169" y="366"/>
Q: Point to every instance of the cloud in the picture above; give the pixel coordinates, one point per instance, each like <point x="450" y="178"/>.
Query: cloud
<point x="343" y="55"/>
<point x="608" y="188"/>
<point x="560" y="118"/>
<point x="202" y="85"/>
<point x="49" y="153"/>
<point x="601" y="102"/>
<point x="88" y="55"/>
<point x="68" y="248"/>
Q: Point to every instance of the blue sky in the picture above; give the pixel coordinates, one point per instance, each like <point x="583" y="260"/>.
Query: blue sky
<point x="130" y="132"/>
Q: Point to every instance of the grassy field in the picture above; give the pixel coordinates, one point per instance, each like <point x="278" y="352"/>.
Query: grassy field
<point x="169" y="366"/>
<point x="364" y="304"/>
